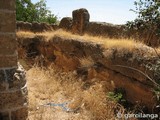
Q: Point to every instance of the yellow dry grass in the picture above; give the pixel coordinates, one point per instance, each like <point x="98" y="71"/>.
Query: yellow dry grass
<point x="107" y="42"/>
<point x="86" y="62"/>
<point x="55" y="86"/>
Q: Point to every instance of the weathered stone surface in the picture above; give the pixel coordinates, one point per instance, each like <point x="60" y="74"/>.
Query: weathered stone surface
<point x="16" y="78"/>
<point x="7" y="4"/>
<point x="136" y="92"/>
<point x="9" y="74"/>
<point x="40" y="27"/>
<point x="23" y="26"/>
<point x="7" y="22"/>
<point x="66" y="23"/>
<point x="105" y="29"/>
<point x="20" y="114"/>
<point x="2" y="81"/>
<point x="2" y="75"/>
<point x="4" y="116"/>
<point x="13" y="99"/>
<point x="9" y="44"/>
<point x="80" y="20"/>
<point x="35" y="26"/>
<point x="8" y="61"/>
<point x="3" y="85"/>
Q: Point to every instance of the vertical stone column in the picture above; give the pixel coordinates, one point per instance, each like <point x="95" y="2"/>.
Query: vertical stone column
<point x="13" y="92"/>
<point x="80" y="20"/>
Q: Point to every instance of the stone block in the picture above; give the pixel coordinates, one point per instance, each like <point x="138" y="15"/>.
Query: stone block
<point x="20" y="114"/>
<point x="9" y="74"/>
<point x="7" y="4"/>
<point x="16" y="78"/>
<point x="12" y="78"/>
<point x="8" y="61"/>
<point x="8" y="44"/>
<point x="2" y="81"/>
<point x="2" y="75"/>
<point x="13" y="99"/>
<point x="7" y="22"/>
<point x="4" y="116"/>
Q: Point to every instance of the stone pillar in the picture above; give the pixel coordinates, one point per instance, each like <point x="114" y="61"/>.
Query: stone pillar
<point x="13" y="92"/>
<point x="80" y="20"/>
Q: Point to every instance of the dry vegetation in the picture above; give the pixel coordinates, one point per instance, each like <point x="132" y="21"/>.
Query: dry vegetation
<point x="85" y="102"/>
<point x="121" y="44"/>
<point x="107" y="42"/>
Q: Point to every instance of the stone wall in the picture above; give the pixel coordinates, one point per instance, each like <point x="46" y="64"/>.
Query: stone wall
<point x="35" y="26"/>
<point x="13" y="101"/>
<point x="79" y="24"/>
<point x="105" y="29"/>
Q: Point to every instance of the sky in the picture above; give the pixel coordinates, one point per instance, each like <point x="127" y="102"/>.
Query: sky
<point x="110" y="11"/>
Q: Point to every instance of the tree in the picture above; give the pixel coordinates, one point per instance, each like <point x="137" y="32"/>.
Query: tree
<point x="28" y="12"/>
<point x="148" y="19"/>
<point x="43" y="14"/>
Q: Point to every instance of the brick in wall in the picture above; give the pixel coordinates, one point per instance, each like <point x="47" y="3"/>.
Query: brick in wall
<point x="20" y="114"/>
<point x="7" y="22"/>
<point x="7" y="4"/>
<point x="12" y="100"/>
<point x="9" y="44"/>
<point x="8" y="61"/>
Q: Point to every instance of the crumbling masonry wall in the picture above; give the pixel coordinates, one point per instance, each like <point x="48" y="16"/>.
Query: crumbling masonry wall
<point x="13" y="92"/>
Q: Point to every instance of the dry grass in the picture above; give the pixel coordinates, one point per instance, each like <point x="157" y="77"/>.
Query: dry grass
<point x="107" y="42"/>
<point x="55" y="86"/>
<point x="86" y="62"/>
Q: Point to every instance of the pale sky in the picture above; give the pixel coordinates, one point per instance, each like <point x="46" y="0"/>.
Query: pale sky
<point x="110" y="11"/>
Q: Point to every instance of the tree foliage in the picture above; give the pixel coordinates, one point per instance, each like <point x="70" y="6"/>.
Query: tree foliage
<point x="148" y="19"/>
<point x="28" y="12"/>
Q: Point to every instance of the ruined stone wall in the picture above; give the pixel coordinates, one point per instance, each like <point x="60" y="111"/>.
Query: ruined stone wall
<point x="35" y="26"/>
<point x="13" y="101"/>
<point x="79" y="24"/>
<point x="105" y="29"/>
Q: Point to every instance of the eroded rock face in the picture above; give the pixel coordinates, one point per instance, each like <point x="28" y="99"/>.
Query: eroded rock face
<point x="67" y="54"/>
<point x="80" y="20"/>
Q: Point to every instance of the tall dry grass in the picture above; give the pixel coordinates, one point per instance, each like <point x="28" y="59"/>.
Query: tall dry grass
<point x="107" y="42"/>
<point x="53" y="85"/>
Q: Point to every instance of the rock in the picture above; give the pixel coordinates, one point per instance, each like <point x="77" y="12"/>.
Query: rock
<point x="80" y="20"/>
<point x="66" y="23"/>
